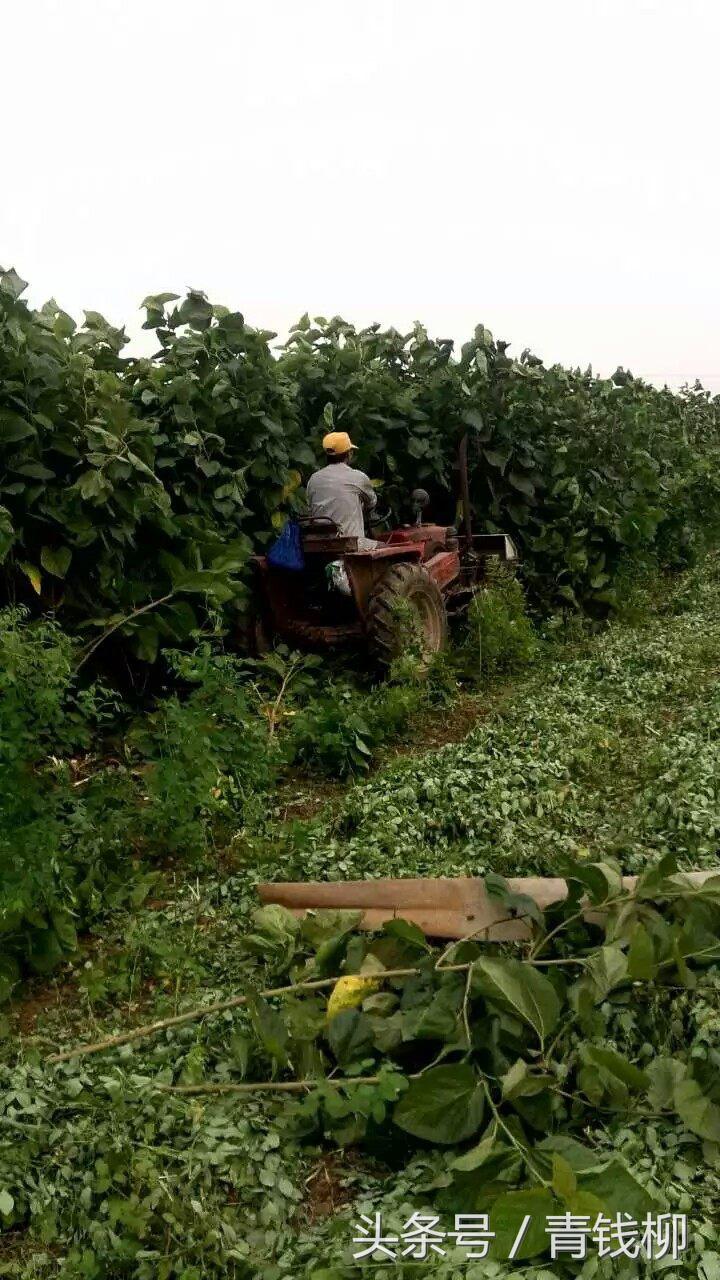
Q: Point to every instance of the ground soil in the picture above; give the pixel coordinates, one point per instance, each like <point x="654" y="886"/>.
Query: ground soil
<point x="330" y="1184"/>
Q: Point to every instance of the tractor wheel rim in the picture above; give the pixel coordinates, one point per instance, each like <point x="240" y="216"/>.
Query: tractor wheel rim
<point x="430" y="634"/>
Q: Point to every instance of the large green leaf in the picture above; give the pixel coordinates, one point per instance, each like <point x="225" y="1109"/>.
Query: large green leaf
<point x="664" y="1075"/>
<point x="350" y="1035"/>
<point x="445" y="1105"/>
<point x="510" y="1211"/>
<point x="617" y="1189"/>
<point x="56" y="560"/>
<point x="696" y="1110"/>
<point x="270" y="1029"/>
<point x="606" y="969"/>
<point x="614" y="1064"/>
<point x="520" y="988"/>
<point x="11" y="283"/>
<point x="437" y="1019"/>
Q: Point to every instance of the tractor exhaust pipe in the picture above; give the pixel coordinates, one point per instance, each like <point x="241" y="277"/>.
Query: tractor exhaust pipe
<point x="465" y="488"/>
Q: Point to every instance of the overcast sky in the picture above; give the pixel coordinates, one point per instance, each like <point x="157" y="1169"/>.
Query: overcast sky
<point x="550" y="169"/>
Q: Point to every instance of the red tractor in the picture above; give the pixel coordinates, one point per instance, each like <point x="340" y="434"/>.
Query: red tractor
<point x="431" y="567"/>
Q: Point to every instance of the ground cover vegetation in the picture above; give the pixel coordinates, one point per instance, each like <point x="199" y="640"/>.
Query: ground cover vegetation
<point x="151" y="773"/>
<point x="586" y="1060"/>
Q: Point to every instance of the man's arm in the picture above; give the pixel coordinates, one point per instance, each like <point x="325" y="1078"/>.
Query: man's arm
<point x="368" y="495"/>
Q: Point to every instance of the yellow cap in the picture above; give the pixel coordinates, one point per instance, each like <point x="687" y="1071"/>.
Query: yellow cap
<point x="338" y="442"/>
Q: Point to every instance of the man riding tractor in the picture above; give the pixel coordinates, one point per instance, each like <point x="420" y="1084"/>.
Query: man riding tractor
<point x="340" y="493"/>
<point x="343" y="586"/>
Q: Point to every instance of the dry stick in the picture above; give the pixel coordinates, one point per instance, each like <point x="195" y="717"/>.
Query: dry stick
<point x="192" y="1015"/>
<point x="267" y="1086"/>
<point x="145" y="608"/>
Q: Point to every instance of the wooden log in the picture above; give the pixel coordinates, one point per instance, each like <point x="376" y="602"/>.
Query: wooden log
<point x="442" y="908"/>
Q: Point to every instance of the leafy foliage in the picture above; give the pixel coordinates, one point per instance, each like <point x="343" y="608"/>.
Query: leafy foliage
<point x="134" y="489"/>
<point x="85" y="794"/>
<point x="462" y="1102"/>
<point x="498" y="635"/>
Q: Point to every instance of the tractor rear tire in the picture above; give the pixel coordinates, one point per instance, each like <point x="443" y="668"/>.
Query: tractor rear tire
<point x="256" y="635"/>
<point x="411" y="583"/>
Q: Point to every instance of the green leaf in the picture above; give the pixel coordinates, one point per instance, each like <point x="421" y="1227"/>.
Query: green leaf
<point x="564" y="1181"/>
<point x="33" y="574"/>
<point x="508" y="1214"/>
<point x="518" y="905"/>
<point x="276" y="921"/>
<point x="64" y="926"/>
<point x="615" y="1065"/>
<point x="707" y="890"/>
<point x="158" y="300"/>
<point x="7" y="533"/>
<point x="13" y="427"/>
<point x="45" y="950"/>
<point x="406" y="931"/>
<point x="12" y="284"/>
<point x="478" y="1154"/>
<point x="473" y="418"/>
<point x="56" y="560"/>
<point x="147" y="642"/>
<point x="521" y="482"/>
<point x="520" y="988"/>
<point x="641" y="955"/>
<point x="350" y="1036"/>
<point x="35" y="471"/>
<point x="7" y="1204"/>
<point x="445" y="1105"/>
<point x="579" y="1157"/>
<point x="387" y="1030"/>
<point x="327" y="923"/>
<point x="93" y="485"/>
<point x="438" y="1018"/>
<point x="709" y="1268"/>
<point x="521" y="1082"/>
<point x="696" y="1110"/>
<point x="604" y="971"/>
<point x="664" y="1075"/>
<point x="618" y="1190"/>
<point x="270" y="1029"/>
<point x="601" y="880"/>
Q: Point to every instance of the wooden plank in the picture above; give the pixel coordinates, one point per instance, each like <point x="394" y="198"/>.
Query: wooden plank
<point x="442" y="908"/>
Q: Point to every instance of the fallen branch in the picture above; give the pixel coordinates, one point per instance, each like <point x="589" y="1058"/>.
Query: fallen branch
<point x="193" y="1015"/>
<point x="89" y="649"/>
<point x="267" y="1086"/>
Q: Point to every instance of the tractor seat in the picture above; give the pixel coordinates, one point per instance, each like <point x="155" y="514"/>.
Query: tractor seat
<point x="320" y="534"/>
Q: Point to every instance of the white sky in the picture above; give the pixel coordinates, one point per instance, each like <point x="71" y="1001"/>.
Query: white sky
<point x="548" y="168"/>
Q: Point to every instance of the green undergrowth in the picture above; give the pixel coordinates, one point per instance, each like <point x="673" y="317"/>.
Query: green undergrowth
<point x="96" y="797"/>
<point x="603" y="751"/>
<point x="610" y="747"/>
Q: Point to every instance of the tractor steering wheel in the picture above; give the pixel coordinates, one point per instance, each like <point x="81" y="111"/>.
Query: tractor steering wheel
<point x="375" y="518"/>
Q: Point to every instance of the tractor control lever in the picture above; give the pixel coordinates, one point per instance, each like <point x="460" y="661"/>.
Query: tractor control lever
<point x="420" y="499"/>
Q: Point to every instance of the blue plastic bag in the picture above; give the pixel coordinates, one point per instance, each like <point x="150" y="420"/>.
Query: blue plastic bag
<point x="286" y="551"/>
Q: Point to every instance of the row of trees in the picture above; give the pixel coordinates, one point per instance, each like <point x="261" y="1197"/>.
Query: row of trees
<point x="133" y="490"/>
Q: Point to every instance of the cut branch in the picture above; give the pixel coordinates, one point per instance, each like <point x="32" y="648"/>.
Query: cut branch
<point x="194" y="1015"/>
<point x="267" y="1086"/>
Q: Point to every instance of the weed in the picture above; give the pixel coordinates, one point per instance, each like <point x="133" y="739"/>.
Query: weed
<point x="498" y="635"/>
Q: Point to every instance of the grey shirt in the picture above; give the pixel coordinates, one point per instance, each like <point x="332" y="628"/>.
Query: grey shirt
<point x="341" y="493"/>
